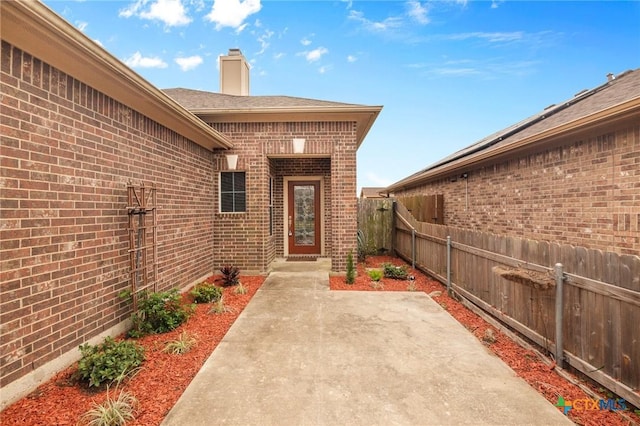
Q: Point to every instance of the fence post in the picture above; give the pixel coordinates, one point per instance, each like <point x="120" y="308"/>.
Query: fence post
<point x="413" y="248"/>
<point x="559" y="314"/>
<point x="393" y="227"/>
<point x="449" y="265"/>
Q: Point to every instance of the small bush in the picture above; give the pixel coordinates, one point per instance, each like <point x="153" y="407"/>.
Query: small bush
<point x="219" y="307"/>
<point x="112" y="412"/>
<point x="395" y="272"/>
<point x="109" y="361"/>
<point x="159" y="313"/>
<point x="375" y="274"/>
<point x="240" y="289"/>
<point x="182" y="345"/>
<point x="230" y="275"/>
<point x="206" y="293"/>
<point x="351" y="270"/>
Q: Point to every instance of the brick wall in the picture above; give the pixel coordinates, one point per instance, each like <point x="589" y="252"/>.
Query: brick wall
<point x="584" y="191"/>
<point x="68" y="152"/>
<point x="264" y="150"/>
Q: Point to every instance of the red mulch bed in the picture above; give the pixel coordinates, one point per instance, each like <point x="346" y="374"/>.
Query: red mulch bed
<point x="164" y="377"/>
<point x="158" y="385"/>
<point x="526" y="363"/>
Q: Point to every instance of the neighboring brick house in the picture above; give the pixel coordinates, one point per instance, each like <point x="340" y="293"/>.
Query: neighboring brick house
<point x="78" y="126"/>
<point x="570" y="174"/>
<point x="372" y="192"/>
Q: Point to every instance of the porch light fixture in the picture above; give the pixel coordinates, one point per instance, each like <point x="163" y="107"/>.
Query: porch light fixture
<point x="298" y="145"/>
<point x="232" y="161"/>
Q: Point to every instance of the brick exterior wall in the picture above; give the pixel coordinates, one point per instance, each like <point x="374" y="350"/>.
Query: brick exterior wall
<point x="265" y="150"/>
<point x="68" y="152"/>
<point x="584" y="190"/>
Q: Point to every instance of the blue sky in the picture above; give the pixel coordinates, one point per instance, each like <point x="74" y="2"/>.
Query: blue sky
<point x="448" y="73"/>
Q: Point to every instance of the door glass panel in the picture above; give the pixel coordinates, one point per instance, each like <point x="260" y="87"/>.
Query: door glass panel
<point x="304" y="207"/>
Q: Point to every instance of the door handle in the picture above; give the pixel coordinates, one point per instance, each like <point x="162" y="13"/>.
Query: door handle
<point x="290" y="233"/>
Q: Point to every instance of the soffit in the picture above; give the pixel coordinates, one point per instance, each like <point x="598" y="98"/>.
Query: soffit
<point x="35" y="29"/>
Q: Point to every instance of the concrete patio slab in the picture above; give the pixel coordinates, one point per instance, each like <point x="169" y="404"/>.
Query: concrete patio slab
<point x="300" y="354"/>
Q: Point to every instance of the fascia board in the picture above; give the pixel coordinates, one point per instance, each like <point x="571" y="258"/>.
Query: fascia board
<point x="35" y="29"/>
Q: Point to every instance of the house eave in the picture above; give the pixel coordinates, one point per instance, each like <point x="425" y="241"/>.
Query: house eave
<point x="364" y="116"/>
<point x="34" y="28"/>
<point x="619" y="112"/>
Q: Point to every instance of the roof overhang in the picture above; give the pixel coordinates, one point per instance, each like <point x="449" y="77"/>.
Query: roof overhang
<point x="364" y="116"/>
<point x="35" y="29"/>
<point x="625" y="111"/>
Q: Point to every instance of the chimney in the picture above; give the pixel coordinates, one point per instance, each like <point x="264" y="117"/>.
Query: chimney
<point x="611" y="77"/>
<point x="234" y="74"/>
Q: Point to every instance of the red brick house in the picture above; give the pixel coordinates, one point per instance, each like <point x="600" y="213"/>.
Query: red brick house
<point x="570" y="174"/>
<point x="78" y="127"/>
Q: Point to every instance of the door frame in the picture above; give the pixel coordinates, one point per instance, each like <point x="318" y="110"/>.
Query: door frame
<point x="285" y="209"/>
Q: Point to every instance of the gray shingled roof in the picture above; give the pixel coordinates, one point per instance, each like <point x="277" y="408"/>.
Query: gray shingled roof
<point x="624" y="87"/>
<point x="201" y="100"/>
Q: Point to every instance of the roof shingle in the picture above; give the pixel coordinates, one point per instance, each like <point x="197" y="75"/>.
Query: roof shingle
<point x="201" y="100"/>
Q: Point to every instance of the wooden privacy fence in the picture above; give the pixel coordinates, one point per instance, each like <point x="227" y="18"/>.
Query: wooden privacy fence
<point x="594" y="294"/>
<point x="374" y="223"/>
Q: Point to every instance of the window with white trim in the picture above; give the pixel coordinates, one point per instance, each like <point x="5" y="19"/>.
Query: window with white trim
<point x="233" y="195"/>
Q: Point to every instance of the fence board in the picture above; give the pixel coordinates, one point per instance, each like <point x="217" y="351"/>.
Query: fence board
<point x="601" y="294"/>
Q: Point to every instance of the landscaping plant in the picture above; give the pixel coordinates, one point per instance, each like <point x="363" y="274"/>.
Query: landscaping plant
<point x="112" y="412"/>
<point x="230" y="275"/>
<point x="219" y="307"/>
<point x="240" y="289"/>
<point x="395" y="272"/>
<point x="206" y="293"/>
<point x="159" y="313"/>
<point x="182" y="345"/>
<point x="375" y="274"/>
<point x="109" y="361"/>
<point x="351" y="269"/>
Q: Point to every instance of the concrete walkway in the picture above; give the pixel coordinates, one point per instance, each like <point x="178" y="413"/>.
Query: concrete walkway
<point x="300" y="354"/>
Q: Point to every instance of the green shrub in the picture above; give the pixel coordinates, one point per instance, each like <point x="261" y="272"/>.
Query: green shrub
<point x="230" y="275"/>
<point x="159" y="313"/>
<point x="109" y="361"/>
<point x="395" y="272"/>
<point x="351" y="269"/>
<point x="375" y="274"/>
<point x="206" y="293"/>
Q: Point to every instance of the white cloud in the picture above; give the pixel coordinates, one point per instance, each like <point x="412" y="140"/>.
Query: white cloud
<point x="232" y="13"/>
<point x="305" y="42"/>
<point x="170" y="12"/>
<point x="323" y="69"/>
<point x="138" y="61"/>
<point x="264" y="41"/>
<point x="315" y="54"/>
<point x="496" y="37"/>
<point x="189" y="63"/>
<point x="81" y="25"/>
<point x="418" y="12"/>
<point x="351" y="58"/>
<point x="278" y="55"/>
<point x="380" y="26"/>
<point x="98" y="42"/>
